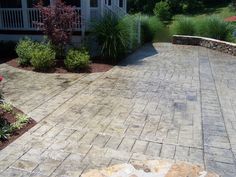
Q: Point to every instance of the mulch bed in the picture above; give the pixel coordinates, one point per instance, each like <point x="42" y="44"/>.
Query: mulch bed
<point x="10" y="118"/>
<point x="94" y="67"/>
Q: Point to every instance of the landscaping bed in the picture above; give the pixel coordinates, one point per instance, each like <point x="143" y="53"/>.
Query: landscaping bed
<point x="13" y="124"/>
<point x="93" y="67"/>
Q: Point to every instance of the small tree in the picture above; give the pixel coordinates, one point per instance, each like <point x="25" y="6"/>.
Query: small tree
<point x="162" y="11"/>
<point x="57" y="23"/>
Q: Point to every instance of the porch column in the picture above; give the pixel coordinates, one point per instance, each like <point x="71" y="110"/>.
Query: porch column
<point x="102" y="7"/>
<point x="113" y="2"/>
<point x="1" y="25"/>
<point x="51" y="2"/>
<point x="85" y="12"/>
<point x="125" y="5"/>
<point x="25" y="13"/>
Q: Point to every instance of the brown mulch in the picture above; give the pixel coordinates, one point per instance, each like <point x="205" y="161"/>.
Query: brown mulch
<point x="94" y="67"/>
<point x="11" y="118"/>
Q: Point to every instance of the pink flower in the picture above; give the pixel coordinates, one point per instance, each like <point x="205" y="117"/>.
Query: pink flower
<point x="1" y="78"/>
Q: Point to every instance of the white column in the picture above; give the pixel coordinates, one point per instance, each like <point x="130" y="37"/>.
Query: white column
<point x="87" y="10"/>
<point x="51" y="2"/>
<point x="125" y="5"/>
<point x="25" y="13"/>
<point x="113" y="3"/>
<point x="85" y="13"/>
<point x="102" y="7"/>
<point x="1" y="25"/>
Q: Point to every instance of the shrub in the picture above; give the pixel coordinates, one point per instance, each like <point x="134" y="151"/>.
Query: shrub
<point x="162" y="11"/>
<point x="43" y="56"/>
<point x="24" y="50"/>
<point x="22" y="118"/>
<point x="7" y="49"/>
<point x="4" y="133"/>
<point x="6" y="107"/>
<point x="76" y="59"/>
<point x="131" y="21"/>
<point x="113" y="36"/>
<point x="151" y="29"/>
<point x="184" y="26"/>
<point x="58" y="22"/>
<point x="216" y="28"/>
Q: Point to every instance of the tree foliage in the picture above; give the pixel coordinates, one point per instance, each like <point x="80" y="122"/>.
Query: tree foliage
<point x="58" y="22"/>
<point x="176" y="6"/>
<point x="162" y="10"/>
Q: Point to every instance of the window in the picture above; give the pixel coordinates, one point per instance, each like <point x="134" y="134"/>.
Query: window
<point x="10" y="3"/>
<point x="73" y="2"/>
<point x="93" y="3"/>
<point x="121" y="3"/>
<point x="31" y="3"/>
<point x="109" y="2"/>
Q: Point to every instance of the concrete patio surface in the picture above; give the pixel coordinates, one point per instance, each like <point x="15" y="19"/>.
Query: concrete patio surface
<point x="163" y="102"/>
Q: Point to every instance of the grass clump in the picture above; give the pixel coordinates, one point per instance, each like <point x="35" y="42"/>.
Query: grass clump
<point x="7" y="107"/>
<point x="112" y="35"/>
<point x="215" y="27"/>
<point x="152" y="29"/>
<point x="184" y="26"/>
<point x="212" y="27"/>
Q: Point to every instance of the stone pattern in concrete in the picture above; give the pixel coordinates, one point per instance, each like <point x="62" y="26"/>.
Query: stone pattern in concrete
<point x="163" y="102"/>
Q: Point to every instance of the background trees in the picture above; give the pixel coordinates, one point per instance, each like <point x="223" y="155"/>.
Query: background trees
<point x="176" y="6"/>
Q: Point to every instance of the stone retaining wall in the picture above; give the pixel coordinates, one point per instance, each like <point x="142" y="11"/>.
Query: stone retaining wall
<point x="222" y="46"/>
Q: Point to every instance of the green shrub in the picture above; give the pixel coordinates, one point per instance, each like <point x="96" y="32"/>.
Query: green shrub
<point x="76" y="59"/>
<point x="7" y="107"/>
<point x="4" y="129"/>
<point x="152" y="29"/>
<point x="15" y="126"/>
<point x="131" y="21"/>
<point x="4" y="132"/>
<point x="215" y="27"/>
<point x="42" y="56"/>
<point x="22" y="118"/>
<point x="113" y="36"/>
<point x="184" y="26"/>
<point x="162" y="11"/>
<point x="7" y="49"/>
<point x="24" y="50"/>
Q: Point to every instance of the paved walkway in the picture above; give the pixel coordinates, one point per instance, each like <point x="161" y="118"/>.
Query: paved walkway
<point x="165" y="101"/>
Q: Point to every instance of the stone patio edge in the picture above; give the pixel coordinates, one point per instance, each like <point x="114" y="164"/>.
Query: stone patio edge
<point x="222" y="46"/>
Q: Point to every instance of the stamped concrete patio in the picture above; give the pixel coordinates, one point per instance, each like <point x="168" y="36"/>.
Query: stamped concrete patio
<point x="165" y="101"/>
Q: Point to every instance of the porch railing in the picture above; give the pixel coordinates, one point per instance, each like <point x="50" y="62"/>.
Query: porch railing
<point x="19" y="19"/>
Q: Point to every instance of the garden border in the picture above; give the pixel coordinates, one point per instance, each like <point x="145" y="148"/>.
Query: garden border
<point x="222" y="46"/>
